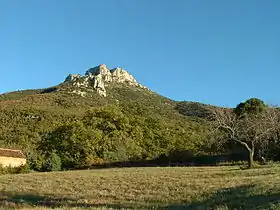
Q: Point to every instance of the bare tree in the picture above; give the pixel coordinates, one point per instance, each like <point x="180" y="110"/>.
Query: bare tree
<point x="246" y="129"/>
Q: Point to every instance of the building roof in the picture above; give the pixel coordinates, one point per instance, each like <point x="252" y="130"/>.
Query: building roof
<point x="11" y="153"/>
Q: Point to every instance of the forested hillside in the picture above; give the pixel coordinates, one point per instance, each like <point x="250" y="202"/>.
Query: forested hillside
<point x="74" y="126"/>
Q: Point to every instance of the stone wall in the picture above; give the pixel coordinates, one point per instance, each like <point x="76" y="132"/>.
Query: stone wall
<point x="13" y="162"/>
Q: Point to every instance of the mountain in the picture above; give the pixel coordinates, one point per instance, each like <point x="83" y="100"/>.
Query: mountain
<point x="27" y="116"/>
<point x="99" y="87"/>
<point x="98" y="78"/>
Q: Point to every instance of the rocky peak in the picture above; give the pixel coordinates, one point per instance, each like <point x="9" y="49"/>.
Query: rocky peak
<point x="73" y="77"/>
<point x="121" y="75"/>
<point x="101" y="69"/>
<point x="99" y="77"/>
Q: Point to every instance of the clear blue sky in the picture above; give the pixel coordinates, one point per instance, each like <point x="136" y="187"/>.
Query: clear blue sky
<point x="216" y="52"/>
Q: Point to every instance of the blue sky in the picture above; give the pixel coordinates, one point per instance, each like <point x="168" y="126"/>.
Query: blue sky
<point x="216" y="52"/>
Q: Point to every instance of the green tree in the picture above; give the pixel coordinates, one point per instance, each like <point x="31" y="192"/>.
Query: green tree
<point x="74" y="144"/>
<point x="252" y="106"/>
<point x="52" y="162"/>
<point x="118" y="142"/>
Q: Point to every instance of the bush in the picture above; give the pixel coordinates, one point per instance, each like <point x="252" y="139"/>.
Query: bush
<point x="53" y="162"/>
<point x="23" y="169"/>
<point x="35" y="161"/>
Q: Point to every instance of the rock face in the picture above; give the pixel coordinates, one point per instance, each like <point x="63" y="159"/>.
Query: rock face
<point x="99" y="77"/>
<point x="120" y="75"/>
<point x="73" y="77"/>
<point x="100" y="70"/>
<point x="99" y="85"/>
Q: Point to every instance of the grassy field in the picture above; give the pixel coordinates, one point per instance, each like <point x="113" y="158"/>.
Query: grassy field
<point x="144" y="188"/>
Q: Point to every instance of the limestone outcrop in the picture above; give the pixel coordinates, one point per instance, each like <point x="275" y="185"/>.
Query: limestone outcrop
<point x="99" y="78"/>
<point x="121" y="76"/>
<point x="73" y="77"/>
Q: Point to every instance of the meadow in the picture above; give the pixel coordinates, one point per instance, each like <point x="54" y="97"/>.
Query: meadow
<point x="144" y="188"/>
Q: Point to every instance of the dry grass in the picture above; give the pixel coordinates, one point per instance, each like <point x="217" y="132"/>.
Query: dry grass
<point x="144" y="188"/>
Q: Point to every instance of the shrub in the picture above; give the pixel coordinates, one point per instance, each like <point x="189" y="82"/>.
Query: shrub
<point x="35" y="161"/>
<point x="53" y="162"/>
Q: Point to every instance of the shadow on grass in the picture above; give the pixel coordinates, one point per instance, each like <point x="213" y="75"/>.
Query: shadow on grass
<point x="242" y="197"/>
<point x="19" y="201"/>
<point x="177" y="158"/>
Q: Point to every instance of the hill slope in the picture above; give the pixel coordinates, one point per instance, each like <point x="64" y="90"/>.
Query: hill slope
<point x="27" y="116"/>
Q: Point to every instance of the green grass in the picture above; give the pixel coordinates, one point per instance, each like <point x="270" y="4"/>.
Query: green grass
<point x="144" y="188"/>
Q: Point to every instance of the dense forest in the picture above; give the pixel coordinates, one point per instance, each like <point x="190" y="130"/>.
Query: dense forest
<point x="58" y="130"/>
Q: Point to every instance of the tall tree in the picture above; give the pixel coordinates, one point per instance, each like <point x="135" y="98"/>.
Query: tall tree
<point x="251" y="123"/>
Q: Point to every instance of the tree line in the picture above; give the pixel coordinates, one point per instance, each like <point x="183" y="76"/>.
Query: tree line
<point x="110" y="134"/>
<point x="131" y="133"/>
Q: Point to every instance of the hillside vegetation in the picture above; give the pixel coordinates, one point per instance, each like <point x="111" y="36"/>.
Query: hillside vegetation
<point x="102" y="118"/>
<point x="144" y="188"/>
<point x="130" y="124"/>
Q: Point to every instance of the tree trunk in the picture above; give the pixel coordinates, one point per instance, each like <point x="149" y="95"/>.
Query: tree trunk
<point x="251" y="152"/>
<point x="251" y="159"/>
